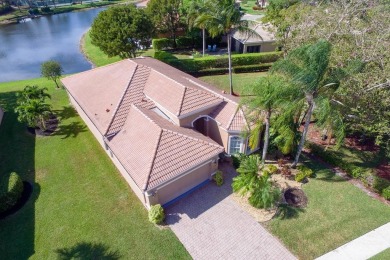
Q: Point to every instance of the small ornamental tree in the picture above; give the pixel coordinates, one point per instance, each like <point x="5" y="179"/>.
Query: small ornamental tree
<point x="122" y="30"/>
<point x="52" y="70"/>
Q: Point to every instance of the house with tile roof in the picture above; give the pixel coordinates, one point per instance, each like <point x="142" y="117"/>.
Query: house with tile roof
<point x="163" y="129"/>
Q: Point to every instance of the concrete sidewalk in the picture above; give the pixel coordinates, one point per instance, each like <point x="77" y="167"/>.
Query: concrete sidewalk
<point x="362" y="247"/>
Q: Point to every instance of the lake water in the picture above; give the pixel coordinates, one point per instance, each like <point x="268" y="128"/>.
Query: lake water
<point x="24" y="46"/>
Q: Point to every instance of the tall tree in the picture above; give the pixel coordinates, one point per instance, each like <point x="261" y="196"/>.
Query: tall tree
<point x="307" y="67"/>
<point x="195" y="9"/>
<point x="224" y="18"/>
<point x="359" y="32"/>
<point x="122" y="30"/>
<point x="260" y="100"/>
<point x="166" y="16"/>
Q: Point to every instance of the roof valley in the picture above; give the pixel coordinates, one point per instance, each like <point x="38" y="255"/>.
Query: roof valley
<point x="121" y="113"/>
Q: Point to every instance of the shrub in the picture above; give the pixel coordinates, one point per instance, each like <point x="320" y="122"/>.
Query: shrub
<point x="162" y="43"/>
<point x="252" y="68"/>
<point x="386" y="193"/>
<point x="185" y="42"/>
<point x="163" y="55"/>
<point x="237" y="158"/>
<point x="272" y="169"/>
<point x="380" y="184"/>
<point x="10" y="191"/>
<point x="156" y="214"/>
<point x="213" y="71"/>
<point x="218" y="178"/>
<point x="300" y="176"/>
<point x="45" y="9"/>
<point x="264" y="195"/>
<point x="285" y="171"/>
<point x="34" y="11"/>
<point x="305" y="170"/>
<point x="357" y="172"/>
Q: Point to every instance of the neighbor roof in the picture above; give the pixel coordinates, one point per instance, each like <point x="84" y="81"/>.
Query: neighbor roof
<point x="154" y="150"/>
<point x="263" y="35"/>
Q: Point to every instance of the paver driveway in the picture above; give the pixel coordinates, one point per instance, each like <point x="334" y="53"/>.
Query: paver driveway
<point x="212" y="226"/>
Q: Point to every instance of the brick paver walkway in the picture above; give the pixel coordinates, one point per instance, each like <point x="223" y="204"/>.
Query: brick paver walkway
<point x="212" y="226"/>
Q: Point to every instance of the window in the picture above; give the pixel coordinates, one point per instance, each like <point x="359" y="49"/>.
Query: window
<point x="235" y="144"/>
<point x="253" y="49"/>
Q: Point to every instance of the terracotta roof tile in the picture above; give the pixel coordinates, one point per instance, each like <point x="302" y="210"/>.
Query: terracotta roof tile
<point x="99" y="91"/>
<point x="154" y="150"/>
<point x="132" y="95"/>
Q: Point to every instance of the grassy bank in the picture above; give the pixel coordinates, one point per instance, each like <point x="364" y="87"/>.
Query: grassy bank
<point x="81" y="207"/>
<point x="337" y="213"/>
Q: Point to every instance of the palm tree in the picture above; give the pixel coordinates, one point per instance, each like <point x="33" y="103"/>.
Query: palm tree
<point x="260" y="100"/>
<point x="307" y="68"/>
<point x="198" y="7"/>
<point x="223" y="17"/>
<point x="33" y="92"/>
<point x="34" y="112"/>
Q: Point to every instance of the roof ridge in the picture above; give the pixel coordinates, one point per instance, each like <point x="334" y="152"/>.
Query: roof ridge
<point x="212" y="91"/>
<point x="121" y="100"/>
<point x="96" y="68"/>
<point x="189" y="137"/>
<point x="150" y="169"/>
<point x="232" y="118"/>
<point x="182" y="100"/>
<point x="178" y="83"/>
<point x="145" y="115"/>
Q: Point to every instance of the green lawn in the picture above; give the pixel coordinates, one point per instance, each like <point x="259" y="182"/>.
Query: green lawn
<point x="81" y="206"/>
<point x="337" y="213"/>
<point x="385" y="255"/>
<point x="248" y="7"/>
<point x="239" y="80"/>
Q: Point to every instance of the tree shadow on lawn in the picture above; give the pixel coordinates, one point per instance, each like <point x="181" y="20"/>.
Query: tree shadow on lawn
<point x="71" y="130"/>
<point x="203" y="198"/>
<point x="286" y="211"/>
<point x="321" y="170"/>
<point x="66" y="113"/>
<point x="17" y="152"/>
<point x="87" y="250"/>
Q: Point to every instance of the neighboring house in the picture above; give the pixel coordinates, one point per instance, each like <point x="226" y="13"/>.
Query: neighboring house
<point x="162" y="128"/>
<point x="264" y="41"/>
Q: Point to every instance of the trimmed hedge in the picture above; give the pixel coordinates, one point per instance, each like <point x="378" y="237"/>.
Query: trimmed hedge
<point x="181" y="42"/>
<point x="214" y="65"/>
<point x="10" y="191"/>
<point x="386" y="193"/>
<point x="252" y="68"/>
<point x="162" y="43"/>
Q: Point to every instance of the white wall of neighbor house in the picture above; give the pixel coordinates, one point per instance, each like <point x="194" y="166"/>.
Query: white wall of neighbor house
<point x="183" y="183"/>
<point x="102" y="142"/>
<point x="264" y="46"/>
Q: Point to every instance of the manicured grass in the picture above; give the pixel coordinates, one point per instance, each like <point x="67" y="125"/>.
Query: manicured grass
<point x="384" y="255"/>
<point x="94" y="54"/>
<point x="337" y="213"/>
<point x="81" y="207"/>
<point x="239" y="80"/>
<point x="248" y="7"/>
<point x="98" y="57"/>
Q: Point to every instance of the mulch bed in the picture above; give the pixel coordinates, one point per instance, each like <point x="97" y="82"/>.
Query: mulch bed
<point x="51" y="125"/>
<point x="383" y="170"/>
<point x="295" y="197"/>
<point x="26" y="194"/>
